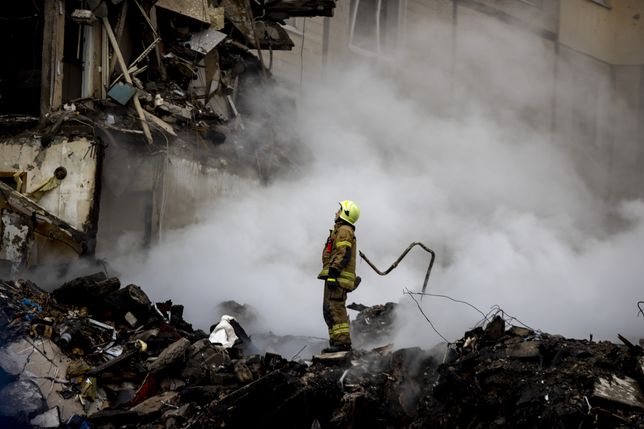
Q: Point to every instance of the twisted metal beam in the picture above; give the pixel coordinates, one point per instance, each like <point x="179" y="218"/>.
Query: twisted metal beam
<point x="400" y="258"/>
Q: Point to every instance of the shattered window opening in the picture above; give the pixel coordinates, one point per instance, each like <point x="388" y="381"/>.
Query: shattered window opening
<point x="375" y="26"/>
<point x="21" y="32"/>
<point x="72" y="58"/>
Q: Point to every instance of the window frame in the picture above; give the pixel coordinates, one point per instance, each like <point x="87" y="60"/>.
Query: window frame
<point x="353" y="15"/>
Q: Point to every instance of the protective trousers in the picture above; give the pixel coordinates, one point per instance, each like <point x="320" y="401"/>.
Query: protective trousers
<point x="335" y="314"/>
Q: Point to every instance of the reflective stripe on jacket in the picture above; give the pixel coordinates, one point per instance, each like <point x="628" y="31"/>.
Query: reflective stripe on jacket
<point x="340" y="253"/>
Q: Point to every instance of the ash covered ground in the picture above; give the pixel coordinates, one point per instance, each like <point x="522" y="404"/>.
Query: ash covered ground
<point x="96" y="354"/>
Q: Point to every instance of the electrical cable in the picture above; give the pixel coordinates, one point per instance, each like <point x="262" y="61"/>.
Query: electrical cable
<point x="450" y="298"/>
<point x="509" y="319"/>
<point x="408" y="292"/>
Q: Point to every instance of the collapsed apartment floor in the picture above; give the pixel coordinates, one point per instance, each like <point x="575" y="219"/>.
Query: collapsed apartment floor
<point x="156" y="105"/>
<point x="95" y="354"/>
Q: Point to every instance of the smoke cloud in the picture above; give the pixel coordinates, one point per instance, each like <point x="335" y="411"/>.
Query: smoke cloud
<point x="457" y="154"/>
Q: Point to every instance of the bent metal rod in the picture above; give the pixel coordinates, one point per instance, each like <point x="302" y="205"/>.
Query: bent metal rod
<point x="400" y="258"/>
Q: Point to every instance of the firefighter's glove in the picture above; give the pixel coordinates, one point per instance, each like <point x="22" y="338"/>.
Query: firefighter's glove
<point x="334" y="273"/>
<point x="357" y="282"/>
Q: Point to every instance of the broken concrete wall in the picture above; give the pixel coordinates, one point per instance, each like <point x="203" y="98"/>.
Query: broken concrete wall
<point x="163" y="84"/>
<point x="162" y="191"/>
<point x="31" y="236"/>
<point x="190" y="186"/>
<point x="48" y="200"/>
<point x="15" y="238"/>
<point x="70" y="198"/>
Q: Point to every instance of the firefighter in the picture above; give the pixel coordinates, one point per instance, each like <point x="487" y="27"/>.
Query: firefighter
<point x="339" y="275"/>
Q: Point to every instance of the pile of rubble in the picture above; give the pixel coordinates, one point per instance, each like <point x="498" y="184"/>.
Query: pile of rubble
<point x="95" y="354"/>
<point x="180" y="72"/>
<point x="518" y="378"/>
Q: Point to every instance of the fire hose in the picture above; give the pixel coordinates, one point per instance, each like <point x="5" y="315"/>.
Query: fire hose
<point x="400" y="258"/>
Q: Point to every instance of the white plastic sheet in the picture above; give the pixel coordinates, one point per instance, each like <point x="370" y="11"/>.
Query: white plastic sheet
<point x="224" y="333"/>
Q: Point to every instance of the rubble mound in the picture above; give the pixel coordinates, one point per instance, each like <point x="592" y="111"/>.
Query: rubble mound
<point x="373" y="325"/>
<point x="93" y="354"/>
<point x="518" y="378"/>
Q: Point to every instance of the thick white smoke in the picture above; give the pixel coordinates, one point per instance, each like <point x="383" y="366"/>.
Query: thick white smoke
<point x="435" y="152"/>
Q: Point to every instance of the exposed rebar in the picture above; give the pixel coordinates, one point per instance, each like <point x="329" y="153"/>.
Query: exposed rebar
<point x="400" y="258"/>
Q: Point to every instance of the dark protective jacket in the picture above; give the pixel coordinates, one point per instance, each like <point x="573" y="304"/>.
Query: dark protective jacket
<point x="340" y="253"/>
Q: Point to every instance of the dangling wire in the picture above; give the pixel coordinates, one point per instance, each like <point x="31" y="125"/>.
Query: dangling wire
<point x="411" y="295"/>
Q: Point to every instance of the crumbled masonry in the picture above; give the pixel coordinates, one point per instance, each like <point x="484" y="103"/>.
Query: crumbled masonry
<point x="94" y="354"/>
<point x="125" y="88"/>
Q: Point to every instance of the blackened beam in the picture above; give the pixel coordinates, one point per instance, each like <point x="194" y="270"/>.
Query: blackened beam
<point x="306" y="8"/>
<point x="110" y="363"/>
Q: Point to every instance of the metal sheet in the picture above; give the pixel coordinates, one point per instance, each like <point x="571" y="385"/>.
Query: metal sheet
<point x="197" y="9"/>
<point x="122" y="93"/>
<point x="205" y="41"/>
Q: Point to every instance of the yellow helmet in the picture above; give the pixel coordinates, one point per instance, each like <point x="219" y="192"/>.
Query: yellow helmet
<point x="349" y="211"/>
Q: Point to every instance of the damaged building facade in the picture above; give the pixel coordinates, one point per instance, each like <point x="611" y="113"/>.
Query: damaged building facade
<point x="82" y="140"/>
<point x="586" y="57"/>
<point x="109" y="110"/>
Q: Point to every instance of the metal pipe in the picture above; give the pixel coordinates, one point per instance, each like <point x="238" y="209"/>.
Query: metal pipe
<point x="400" y="258"/>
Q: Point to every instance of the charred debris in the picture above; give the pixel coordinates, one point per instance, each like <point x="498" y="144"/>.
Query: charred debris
<point x="158" y="69"/>
<point x="96" y="354"/>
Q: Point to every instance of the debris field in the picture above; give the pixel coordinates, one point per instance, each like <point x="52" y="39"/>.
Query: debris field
<point x="96" y="354"/>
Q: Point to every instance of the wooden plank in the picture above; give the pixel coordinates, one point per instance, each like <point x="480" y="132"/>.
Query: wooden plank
<point x="160" y="122"/>
<point x="146" y="18"/>
<point x="52" y="56"/>
<point x="120" y="27"/>
<point x="157" y="46"/>
<point x="128" y="79"/>
<point x="59" y="47"/>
